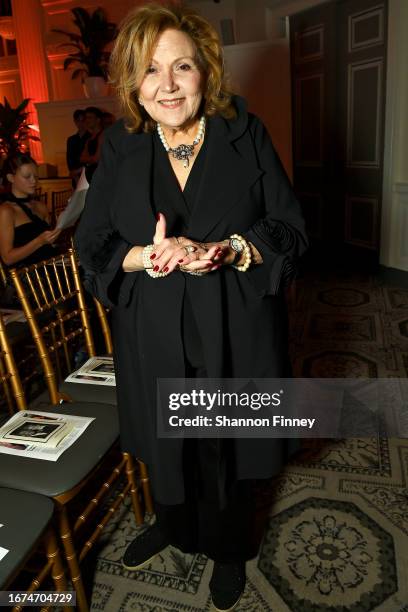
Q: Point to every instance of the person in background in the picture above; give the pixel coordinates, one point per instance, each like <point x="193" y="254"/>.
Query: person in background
<point x="75" y="145"/>
<point x="25" y="234"/>
<point x="108" y="119"/>
<point x="91" y="152"/>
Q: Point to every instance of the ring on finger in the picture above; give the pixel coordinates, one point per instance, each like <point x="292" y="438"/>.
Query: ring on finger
<point x="189" y="248"/>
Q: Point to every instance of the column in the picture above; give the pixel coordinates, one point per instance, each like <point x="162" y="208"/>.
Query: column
<point x="32" y="59"/>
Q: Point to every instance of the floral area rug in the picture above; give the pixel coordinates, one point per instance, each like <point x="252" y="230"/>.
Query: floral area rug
<point x="337" y="516"/>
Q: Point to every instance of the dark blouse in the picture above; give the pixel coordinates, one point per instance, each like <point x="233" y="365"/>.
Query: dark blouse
<point x="177" y="205"/>
<point x="29" y="231"/>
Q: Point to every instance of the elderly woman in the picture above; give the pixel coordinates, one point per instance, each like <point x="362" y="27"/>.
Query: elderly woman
<point x="190" y="231"/>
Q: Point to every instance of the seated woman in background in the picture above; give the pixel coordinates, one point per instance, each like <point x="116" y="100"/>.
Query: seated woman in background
<point x="25" y="233"/>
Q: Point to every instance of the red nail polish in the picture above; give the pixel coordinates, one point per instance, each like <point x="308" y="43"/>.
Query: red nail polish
<point x="158" y="217"/>
<point x="216" y="267"/>
<point x="153" y="256"/>
<point x="180" y="260"/>
<point x="156" y="269"/>
<point x="166" y="269"/>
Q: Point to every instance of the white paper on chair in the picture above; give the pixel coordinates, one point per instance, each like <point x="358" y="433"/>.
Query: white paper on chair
<point x="95" y="371"/>
<point x="41" y="435"/>
<point x="75" y="204"/>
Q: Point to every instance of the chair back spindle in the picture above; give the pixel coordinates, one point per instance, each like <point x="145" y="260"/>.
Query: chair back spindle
<point x="9" y="376"/>
<point x="52" y="298"/>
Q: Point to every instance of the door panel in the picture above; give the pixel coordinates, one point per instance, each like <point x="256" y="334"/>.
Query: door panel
<point x="338" y="75"/>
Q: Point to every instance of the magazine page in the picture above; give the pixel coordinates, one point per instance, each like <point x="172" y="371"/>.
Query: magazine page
<point x="41" y="435"/>
<point x="75" y="205"/>
<point x="95" y="371"/>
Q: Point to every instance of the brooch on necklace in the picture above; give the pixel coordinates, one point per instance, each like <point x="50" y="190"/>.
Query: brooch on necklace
<point x="184" y="151"/>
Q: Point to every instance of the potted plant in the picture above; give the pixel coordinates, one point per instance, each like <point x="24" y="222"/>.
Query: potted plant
<point x="95" y="33"/>
<point x="15" y="132"/>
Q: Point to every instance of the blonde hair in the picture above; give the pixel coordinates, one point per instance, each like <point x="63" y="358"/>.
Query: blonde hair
<point x="134" y="49"/>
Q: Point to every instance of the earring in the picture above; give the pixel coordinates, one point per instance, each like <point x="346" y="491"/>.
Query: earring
<point x="140" y="102"/>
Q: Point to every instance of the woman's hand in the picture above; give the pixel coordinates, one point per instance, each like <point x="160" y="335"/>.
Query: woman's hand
<point x="171" y="253"/>
<point x="49" y="236"/>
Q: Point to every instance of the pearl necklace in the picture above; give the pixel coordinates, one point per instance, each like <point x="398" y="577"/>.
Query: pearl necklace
<point x="183" y="151"/>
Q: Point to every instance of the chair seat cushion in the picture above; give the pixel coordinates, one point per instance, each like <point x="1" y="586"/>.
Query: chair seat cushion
<point x="53" y="478"/>
<point x="23" y="517"/>
<point x="89" y="393"/>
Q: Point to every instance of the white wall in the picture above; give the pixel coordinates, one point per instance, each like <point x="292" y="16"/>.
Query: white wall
<point x="259" y="67"/>
<point x="250" y="20"/>
<point x="261" y="73"/>
<point x="215" y="12"/>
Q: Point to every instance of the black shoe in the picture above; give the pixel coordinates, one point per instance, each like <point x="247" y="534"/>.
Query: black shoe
<point x="227" y="585"/>
<point x="144" y="548"/>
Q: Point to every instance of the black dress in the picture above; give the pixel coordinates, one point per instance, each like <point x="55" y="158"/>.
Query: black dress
<point x="23" y="234"/>
<point x="212" y="521"/>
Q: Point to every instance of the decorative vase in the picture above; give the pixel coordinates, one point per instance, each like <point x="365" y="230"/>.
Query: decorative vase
<point x="95" y="87"/>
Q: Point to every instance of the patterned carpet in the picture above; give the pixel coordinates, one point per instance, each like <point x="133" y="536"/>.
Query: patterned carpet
<point x="337" y="529"/>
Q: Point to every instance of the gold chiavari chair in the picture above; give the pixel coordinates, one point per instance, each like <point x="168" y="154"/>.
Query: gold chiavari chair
<point x="3" y="274"/>
<point x="104" y="323"/>
<point x="52" y="287"/>
<point x="43" y="197"/>
<point x="25" y="353"/>
<point x="53" y="301"/>
<point x="40" y="279"/>
<point x="59" y="200"/>
<point x="25" y="517"/>
<point x="9" y="376"/>
<point x="27" y="530"/>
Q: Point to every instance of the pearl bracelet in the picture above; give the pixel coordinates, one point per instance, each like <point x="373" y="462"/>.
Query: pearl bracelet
<point x="147" y="262"/>
<point x="193" y="272"/>
<point x="246" y="251"/>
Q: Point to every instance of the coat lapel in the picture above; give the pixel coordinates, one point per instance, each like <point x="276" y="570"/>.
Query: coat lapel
<point x="135" y="217"/>
<point x="227" y="176"/>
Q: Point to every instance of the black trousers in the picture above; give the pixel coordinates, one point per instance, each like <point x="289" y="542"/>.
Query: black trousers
<point x="202" y="524"/>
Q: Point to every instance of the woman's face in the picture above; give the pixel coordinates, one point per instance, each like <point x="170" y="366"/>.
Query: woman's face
<point x="24" y="180"/>
<point x="171" y="91"/>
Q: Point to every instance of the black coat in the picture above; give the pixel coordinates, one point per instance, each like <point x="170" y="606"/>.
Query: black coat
<point x="241" y="316"/>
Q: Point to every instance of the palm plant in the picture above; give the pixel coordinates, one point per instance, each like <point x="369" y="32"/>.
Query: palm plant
<point x="15" y="133"/>
<point x="95" y="33"/>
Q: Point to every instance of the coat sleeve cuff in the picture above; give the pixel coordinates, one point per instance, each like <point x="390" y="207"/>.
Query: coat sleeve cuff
<point x="274" y="273"/>
<point x="112" y="286"/>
